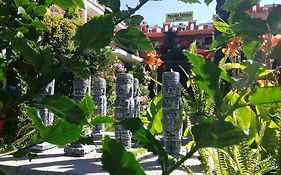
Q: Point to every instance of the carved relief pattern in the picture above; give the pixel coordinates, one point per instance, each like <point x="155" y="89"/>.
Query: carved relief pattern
<point x="99" y="97"/>
<point x="46" y="115"/>
<point x="124" y="106"/>
<point x="80" y="87"/>
<point x="172" y="117"/>
<point x="136" y="95"/>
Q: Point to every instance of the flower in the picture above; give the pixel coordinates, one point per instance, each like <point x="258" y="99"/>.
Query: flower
<point x="269" y="42"/>
<point x="205" y="53"/>
<point x="232" y="47"/>
<point x="153" y="60"/>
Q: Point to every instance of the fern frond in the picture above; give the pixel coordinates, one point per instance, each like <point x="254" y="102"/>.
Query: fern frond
<point x="205" y="162"/>
<point x="266" y="165"/>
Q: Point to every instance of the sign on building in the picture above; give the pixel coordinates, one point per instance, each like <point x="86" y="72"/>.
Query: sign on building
<point x="181" y="16"/>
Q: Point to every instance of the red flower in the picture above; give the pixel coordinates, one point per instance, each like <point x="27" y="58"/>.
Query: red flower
<point x="232" y="47"/>
<point x="205" y="53"/>
<point x="153" y="61"/>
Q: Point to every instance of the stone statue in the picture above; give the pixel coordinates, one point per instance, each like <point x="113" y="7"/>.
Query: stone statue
<point x="172" y="116"/>
<point x="124" y="106"/>
<point x="136" y="95"/>
<point x="46" y="115"/>
<point x="80" y="88"/>
<point x="99" y="97"/>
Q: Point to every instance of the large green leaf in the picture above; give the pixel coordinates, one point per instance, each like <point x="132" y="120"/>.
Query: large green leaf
<point x="40" y="25"/>
<point x="134" y="20"/>
<point x="243" y="117"/>
<point x="21" y="2"/>
<point x="36" y="119"/>
<point x="249" y="28"/>
<point x="117" y="160"/>
<point x="221" y="39"/>
<point x="239" y="5"/>
<point x="96" y="33"/>
<point x="69" y="3"/>
<point x="208" y="2"/>
<point x="206" y="75"/>
<point x="154" y="114"/>
<point x="133" y="39"/>
<point x="114" y="5"/>
<point x="88" y="106"/>
<point x="62" y="132"/>
<point x="80" y="68"/>
<point x="223" y="27"/>
<point x="250" y="48"/>
<point x="253" y="69"/>
<point x="66" y="108"/>
<point x="103" y="119"/>
<point x="274" y="18"/>
<point x="40" y="60"/>
<point x="145" y="138"/>
<point x="216" y="133"/>
<point x="269" y="96"/>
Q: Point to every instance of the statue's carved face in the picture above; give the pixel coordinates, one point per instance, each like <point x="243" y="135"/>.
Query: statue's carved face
<point x="124" y="90"/>
<point x="170" y="91"/>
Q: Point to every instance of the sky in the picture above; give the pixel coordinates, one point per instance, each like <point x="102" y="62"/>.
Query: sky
<point x="154" y="12"/>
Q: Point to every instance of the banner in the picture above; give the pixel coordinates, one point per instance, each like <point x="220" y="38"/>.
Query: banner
<point x="181" y="16"/>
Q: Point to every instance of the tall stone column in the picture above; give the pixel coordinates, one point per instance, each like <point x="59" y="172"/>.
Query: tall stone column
<point x="136" y="95"/>
<point x="124" y="106"/>
<point x="99" y="97"/>
<point x="171" y="116"/>
<point x="46" y="115"/>
<point x="80" y="88"/>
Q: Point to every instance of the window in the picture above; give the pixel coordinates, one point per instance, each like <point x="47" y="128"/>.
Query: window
<point x="192" y="26"/>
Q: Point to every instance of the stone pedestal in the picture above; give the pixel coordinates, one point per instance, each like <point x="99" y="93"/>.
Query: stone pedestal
<point x="124" y="106"/>
<point x="80" y="88"/>
<point x="172" y="116"/>
<point x="46" y="115"/>
<point x="99" y="98"/>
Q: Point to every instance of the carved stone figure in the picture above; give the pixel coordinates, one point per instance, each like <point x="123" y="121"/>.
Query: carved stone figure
<point x="99" y="97"/>
<point x="124" y="106"/>
<point x="136" y="95"/>
<point x="80" y="88"/>
<point x="46" y="115"/>
<point x="172" y="117"/>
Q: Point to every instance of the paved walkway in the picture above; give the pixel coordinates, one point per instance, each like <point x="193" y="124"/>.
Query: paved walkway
<point x="55" y="163"/>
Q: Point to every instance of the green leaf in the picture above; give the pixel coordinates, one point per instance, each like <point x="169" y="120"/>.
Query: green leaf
<point x="40" y="25"/>
<point x="145" y="138"/>
<point x="3" y="70"/>
<point x="250" y="28"/>
<point x="134" y="21"/>
<point x="36" y="119"/>
<point x="274" y="18"/>
<point x="238" y="5"/>
<point x="21" y="2"/>
<point x="69" y="3"/>
<point x="276" y="52"/>
<point x="88" y="106"/>
<point x="154" y="114"/>
<point x="216" y="133"/>
<point x="250" y="49"/>
<point x="206" y="75"/>
<point x="80" y="68"/>
<point x="96" y="33"/>
<point x="208" y="2"/>
<point x="117" y="161"/>
<point x="222" y="27"/>
<point x="2" y="173"/>
<point x="103" y="119"/>
<point x="64" y="107"/>
<point x="253" y="69"/>
<point x="40" y="10"/>
<point x="133" y="39"/>
<point x="190" y="1"/>
<point x="114" y="5"/>
<point x="21" y="153"/>
<point x="269" y="96"/>
<point x="40" y="60"/>
<point x="220" y="40"/>
<point x="62" y="132"/>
